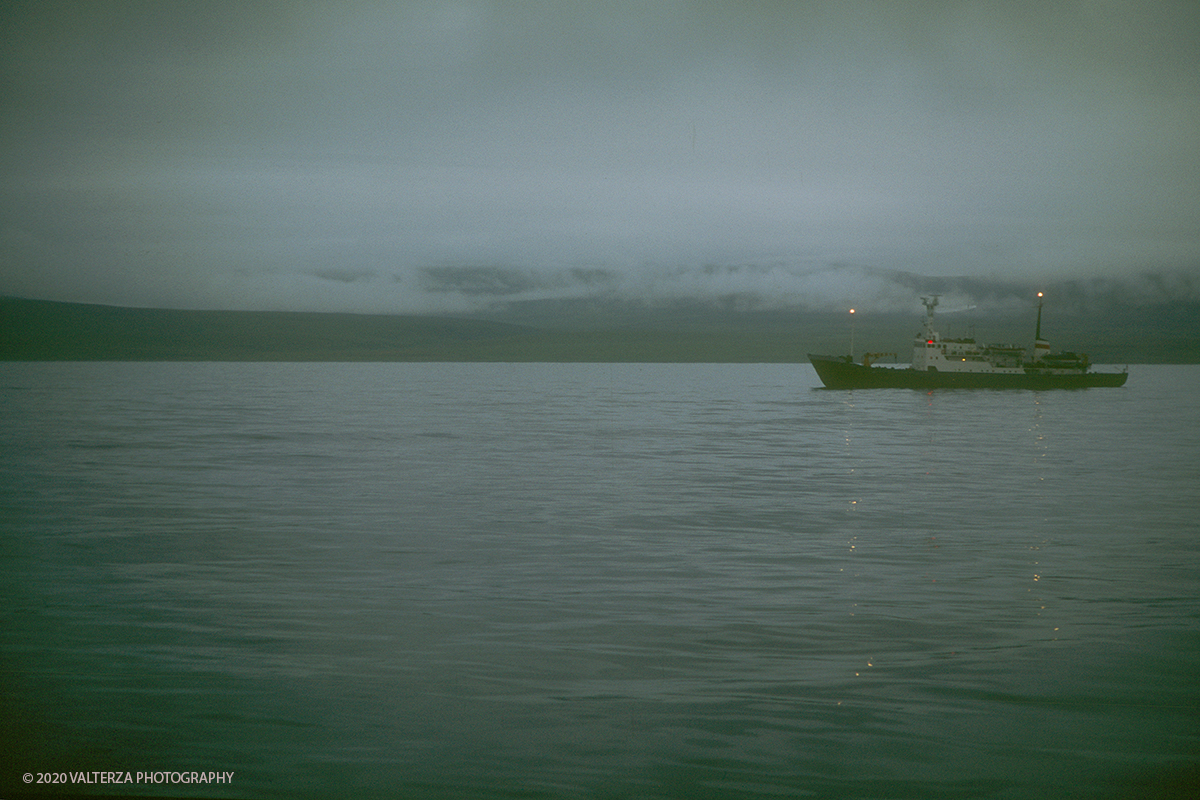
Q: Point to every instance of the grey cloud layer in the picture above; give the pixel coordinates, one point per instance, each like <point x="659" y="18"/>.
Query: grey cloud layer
<point x="425" y="155"/>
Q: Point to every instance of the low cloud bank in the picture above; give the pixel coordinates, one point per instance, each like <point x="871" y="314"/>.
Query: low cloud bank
<point x="803" y="288"/>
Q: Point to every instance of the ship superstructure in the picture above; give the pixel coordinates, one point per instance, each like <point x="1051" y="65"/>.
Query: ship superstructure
<point x="933" y="351"/>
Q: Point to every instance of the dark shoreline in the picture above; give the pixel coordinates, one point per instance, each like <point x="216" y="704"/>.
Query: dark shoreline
<point x="38" y="330"/>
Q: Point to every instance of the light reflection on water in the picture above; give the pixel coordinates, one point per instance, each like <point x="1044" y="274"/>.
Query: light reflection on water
<point x="581" y="580"/>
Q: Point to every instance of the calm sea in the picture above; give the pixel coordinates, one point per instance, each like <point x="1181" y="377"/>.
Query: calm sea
<point x="597" y="581"/>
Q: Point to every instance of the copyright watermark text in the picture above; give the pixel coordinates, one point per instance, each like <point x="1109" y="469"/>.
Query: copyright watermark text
<point x="61" y="778"/>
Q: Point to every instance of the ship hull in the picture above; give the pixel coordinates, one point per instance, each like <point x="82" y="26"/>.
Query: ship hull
<point x="838" y="373"/>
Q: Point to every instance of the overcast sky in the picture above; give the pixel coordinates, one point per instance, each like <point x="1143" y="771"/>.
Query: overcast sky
<point x="436" y="156"/>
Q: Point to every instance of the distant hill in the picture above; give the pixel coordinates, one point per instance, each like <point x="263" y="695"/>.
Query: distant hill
<point x="41" y="330"/>
<point x="1111" y="330"/>
<point x="36" y="330"/>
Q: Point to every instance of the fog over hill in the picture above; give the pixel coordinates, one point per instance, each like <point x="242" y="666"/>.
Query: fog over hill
<point x="777" y="287"/>
<point x="1152" y="320"/>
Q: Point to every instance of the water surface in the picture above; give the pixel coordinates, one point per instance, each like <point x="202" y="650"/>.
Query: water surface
<point x="595" y="580"/>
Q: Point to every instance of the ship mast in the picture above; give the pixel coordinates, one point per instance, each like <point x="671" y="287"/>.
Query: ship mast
<point x="930" y="304"/>
<point x="1040" y="346"/>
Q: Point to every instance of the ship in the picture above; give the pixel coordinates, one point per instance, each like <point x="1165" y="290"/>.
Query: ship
<point x="944" y="363"/>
